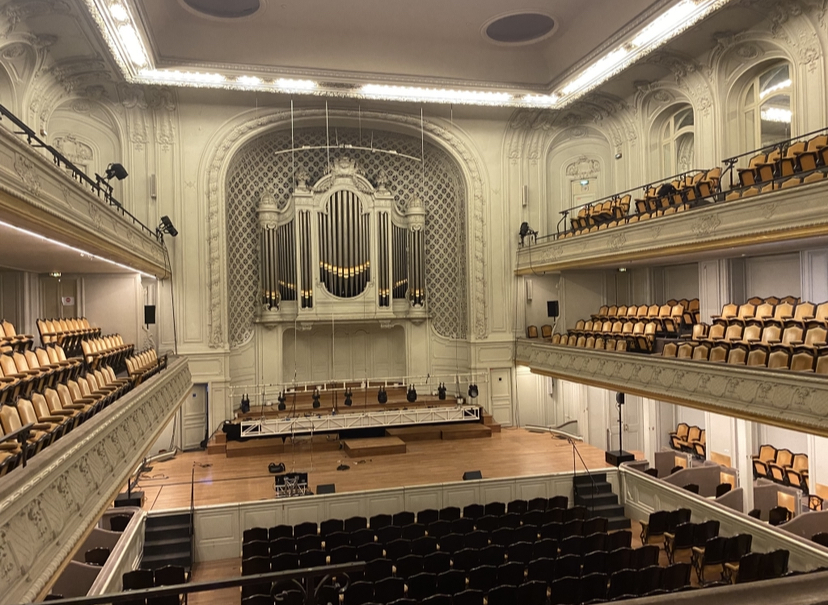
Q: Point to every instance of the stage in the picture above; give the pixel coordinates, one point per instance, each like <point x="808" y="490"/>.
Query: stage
<point x="221" y="480"/>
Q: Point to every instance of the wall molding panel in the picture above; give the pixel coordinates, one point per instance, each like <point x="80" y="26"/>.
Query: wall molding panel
<point x="51" y="505"/>
<point x="794" y="400"/>
<point x="218" y="529"/>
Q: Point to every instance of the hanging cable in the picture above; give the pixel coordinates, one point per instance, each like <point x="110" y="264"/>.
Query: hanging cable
<point x="327" y="133"/>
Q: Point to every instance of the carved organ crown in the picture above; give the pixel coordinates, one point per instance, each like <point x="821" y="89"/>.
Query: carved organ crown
<point x="341" y="247"/>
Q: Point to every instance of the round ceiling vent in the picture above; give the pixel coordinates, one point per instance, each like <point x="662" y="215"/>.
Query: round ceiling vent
<point x="519" y="28"/>
<point x="223" y="9"/>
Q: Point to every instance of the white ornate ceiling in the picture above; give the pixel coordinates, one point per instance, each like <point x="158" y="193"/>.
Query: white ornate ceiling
<point x="390" y="49"/>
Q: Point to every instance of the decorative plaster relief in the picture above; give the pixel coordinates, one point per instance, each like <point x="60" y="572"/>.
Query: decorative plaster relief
<point x="50" y="506"/>
<point x="792" y="400"/>
<point x="26" y="171"/>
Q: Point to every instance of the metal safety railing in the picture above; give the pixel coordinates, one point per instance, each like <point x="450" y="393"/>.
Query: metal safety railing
<point x="99" y="186"/>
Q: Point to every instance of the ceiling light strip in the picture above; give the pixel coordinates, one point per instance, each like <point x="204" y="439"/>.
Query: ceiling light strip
<point x="123" y="35"/>
<point x="72" y="248"/>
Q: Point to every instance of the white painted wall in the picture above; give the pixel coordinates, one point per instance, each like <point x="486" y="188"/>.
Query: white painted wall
<point x="773" y="276"/>
<point x="115" y="303"/>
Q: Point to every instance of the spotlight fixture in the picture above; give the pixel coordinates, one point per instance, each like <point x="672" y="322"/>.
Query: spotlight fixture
<point x="116" y="171"/>
<point x="166" y="226"/>
<point x="245" y="404"/>
<point x="281" y="399"/>
<point x="411" y="396"/>
<point x="441" y="392"/>
<point x="316" y="403"/>
<point x="473" y="392"/>
<point x="382" y="396"/>
<point x="348" y="398"/>
<point x="525" y="230"/>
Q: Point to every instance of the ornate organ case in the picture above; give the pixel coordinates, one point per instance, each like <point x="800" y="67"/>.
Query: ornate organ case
<point x="339" y="248"/>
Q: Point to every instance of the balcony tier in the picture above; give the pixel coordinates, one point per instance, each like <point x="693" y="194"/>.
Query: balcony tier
<point x="794" y="400"/>
<point x="786" y="218"/>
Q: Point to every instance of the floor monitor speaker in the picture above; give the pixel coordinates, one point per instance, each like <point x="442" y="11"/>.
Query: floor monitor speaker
<point x="326" y="488"/>
<point x="472" y="475"/>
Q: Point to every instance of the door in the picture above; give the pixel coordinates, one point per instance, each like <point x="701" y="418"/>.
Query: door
<point x="531" y="401"/>
<point x="500" y="380"/>
<point x="194" y="418"/>
<point x="630" y="423"/>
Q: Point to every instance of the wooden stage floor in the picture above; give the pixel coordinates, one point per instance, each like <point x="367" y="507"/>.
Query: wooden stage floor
<point x="221" y="480"/>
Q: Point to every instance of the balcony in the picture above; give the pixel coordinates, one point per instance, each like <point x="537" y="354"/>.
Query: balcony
<point x="48" y="507"/>
<point x="789" y="219"/>
<point x="795" y="400"/>
<point x="38" y="195"/>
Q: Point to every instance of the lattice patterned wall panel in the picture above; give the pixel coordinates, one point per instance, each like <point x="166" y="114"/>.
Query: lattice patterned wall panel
<point x="257" y="167"/>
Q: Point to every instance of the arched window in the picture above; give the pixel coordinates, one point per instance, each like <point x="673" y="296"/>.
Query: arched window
<point x="767" y="108"/>
<point x="677" y="142"/>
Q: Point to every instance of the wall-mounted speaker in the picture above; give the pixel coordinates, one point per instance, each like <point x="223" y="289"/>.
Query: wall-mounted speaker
<point x="472" y="475"/>
<point x="326" y="488"/>
<point x="149" y="314"/>
<point x="525" y="196"/>
<point x="552" y="309"/>
<point x="529" y="289"/>
<point x="153" y="186"/>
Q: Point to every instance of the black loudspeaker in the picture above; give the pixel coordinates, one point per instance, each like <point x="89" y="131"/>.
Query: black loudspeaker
<point x="472" y="475"/>
<point x="619" y="398"/>
<point x="326" y="488"/>
<point x="149" y="314"/>
<point x="552" y="309"/>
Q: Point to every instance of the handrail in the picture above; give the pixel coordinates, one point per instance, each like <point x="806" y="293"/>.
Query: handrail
<point x="100" y="186"/>
<point x="565" y="213"/>
<point x="730" y="162"/>
<point x="310" y="573"/>
<point x="192" y="516"/>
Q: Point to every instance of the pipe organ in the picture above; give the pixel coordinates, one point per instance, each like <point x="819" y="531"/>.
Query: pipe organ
<point x="341" y="247"/>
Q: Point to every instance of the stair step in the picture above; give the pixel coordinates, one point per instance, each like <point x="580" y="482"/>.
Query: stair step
<point x="589" y="500"/>
<point x="618" y="523"/>
<point x="605" y="510"/>
<point x="585" y="479"/>
<point x="600" y="487"/>
<point x="168" y="520"/>
<point x="152" y="535"/>
<point x="167" y="547"/>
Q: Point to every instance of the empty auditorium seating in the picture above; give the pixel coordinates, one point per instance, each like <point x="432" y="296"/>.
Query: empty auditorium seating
<point x="783" y="334"/>
<point x="11" y="340"/>
<point x="690" y="439"/>
<point x="44" y="394"/>
<point x="67" y="332"/>
<point x="632" y="328"/>
<point x="781" y="466"/>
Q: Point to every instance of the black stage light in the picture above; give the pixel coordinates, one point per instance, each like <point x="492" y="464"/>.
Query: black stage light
<point x="348" y="395"/>
<point x="619" y="398"/>
<point x="411" y="396"/>
<point x="245" y="404"/>
<point x="166" y="226"/>
<point x="382" y="396"/>
<point x="116" y="171"/>
<point x="473" y="393"/>
<point x="281" y="399"/>
<point x="441" y="392"/>
<point x="316" y="403"/>
<point x="525" y="230"/>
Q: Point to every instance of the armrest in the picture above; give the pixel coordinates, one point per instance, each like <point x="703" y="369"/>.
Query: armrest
<point x="17" y="434"/>
<point x="63" y="412"/>
<point x="57" y="419"/>
<point x="796" y="342"/>
<point x="41" y="426"/>
<point x="7" y="446"/>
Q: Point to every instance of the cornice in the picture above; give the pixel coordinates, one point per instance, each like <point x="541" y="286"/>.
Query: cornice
<point x="793" y="400"/>
<point x="49" y="506"/>
<point x="776" y="216"/>
<point x="37" y="195"/>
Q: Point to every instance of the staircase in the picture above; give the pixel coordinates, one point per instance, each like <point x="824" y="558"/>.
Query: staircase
<point x="599" y="500"/>
<point x="167" y="541"/>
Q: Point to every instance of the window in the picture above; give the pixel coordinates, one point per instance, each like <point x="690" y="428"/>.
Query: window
<point x="677" y="142"/>
<point x="767" y="108"/>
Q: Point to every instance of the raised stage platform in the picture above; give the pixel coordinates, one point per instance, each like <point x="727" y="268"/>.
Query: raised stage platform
<point x="337" y="422"/>
<point x="220" y="480"/>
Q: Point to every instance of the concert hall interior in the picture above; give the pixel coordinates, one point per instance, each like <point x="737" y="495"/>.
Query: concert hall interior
<point x="541" y="272"/>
